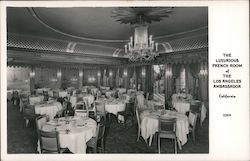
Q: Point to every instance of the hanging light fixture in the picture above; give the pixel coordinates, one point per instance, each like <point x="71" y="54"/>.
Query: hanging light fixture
<point x="141" y="46"/>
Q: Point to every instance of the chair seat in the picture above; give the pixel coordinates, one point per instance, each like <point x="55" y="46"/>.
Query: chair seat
<point x="167" y="135"/>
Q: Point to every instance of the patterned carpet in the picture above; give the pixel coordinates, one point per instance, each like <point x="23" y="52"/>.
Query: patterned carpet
<point x="118" y="137"/>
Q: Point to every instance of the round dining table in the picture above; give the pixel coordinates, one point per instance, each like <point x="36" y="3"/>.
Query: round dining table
<point x="150" y="124"/>
<point x="74" y="132"/>
<point x="36" y="99"/>
<point x="48" y="108"/>
<point x="114" y="106"/>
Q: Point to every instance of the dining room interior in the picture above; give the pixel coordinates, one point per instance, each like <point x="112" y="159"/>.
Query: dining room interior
<point x="107" y="80"/>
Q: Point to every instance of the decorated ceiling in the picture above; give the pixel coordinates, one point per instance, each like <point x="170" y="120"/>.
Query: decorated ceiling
<point x="94" y="32"/>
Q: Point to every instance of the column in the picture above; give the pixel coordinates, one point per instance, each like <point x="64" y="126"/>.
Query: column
<point x="80" y="78"/>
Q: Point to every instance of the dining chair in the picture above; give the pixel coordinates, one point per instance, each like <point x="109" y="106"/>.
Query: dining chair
<point x="91" y="108"/>
<point x="166" y="130"/>
<point x="100" y="109"/>
<point x="94" y="142"/>
<point x="45" y="95"/>
<point x="40" y="121"/>
<point x="192" y="120"/>
<point x="81" y="109"/>
<point x="129" y="112"/>
<point x="55" y="94"/>
<point x="49" y="142"/>
<point x="29" y="114"/>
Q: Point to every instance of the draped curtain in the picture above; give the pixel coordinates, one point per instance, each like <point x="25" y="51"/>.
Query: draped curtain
<point x="149" y="80"/>
<point x="130" y="76"/>
<point x="137" y="71"/>
<point x="117" y="77"/>
<point x="168" y="81"/>
<point x="194" y="70"/>
<point x="114" y="77"/>
<point x="104" y="77"/>
<point x="176" y="69"/>
<point x="203" y="82"/>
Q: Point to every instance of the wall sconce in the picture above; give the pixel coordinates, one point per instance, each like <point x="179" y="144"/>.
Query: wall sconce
<point x="91" y="79"/>
<point x="168" y="72"/>
<point x="143" y="72"/>
<point x="32" y="74"/>
<point x="73" y="79"/>
<point x="53" y="80"/>
<point x="203" y="72"/>
<point x="125" y="72"/>
<point x="59" y="73"/>
<point x="110" y="73"/>
<point x="80" y="73"/>
<point x="98" y="73"/>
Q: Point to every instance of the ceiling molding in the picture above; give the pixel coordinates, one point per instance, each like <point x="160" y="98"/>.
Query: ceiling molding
<point x="41" y="21"/>
<point x="28" y="43"/>
<point x="36" y="16"/>
<point x="34" y="56"/>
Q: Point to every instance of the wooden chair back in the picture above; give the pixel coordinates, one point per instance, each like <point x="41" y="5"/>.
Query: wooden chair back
<point x="49" y="141"/>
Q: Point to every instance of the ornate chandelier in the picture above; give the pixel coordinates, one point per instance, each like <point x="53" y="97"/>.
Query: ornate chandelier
<point x="141" y="46"/>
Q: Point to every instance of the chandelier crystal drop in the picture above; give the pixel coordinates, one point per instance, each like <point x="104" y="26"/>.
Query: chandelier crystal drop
<point x="141" y="47"/>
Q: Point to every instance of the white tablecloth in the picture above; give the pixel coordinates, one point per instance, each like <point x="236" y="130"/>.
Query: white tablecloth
<point x="109" y="93"/>
<point x="94" y="91"/>
<point x="140" y="100"/>
<point x="81" y="131"/>
<point x="131" y="91"/>
<point x="89" y="99"/>
<point x="152" y="104"/>
<point x="182" y="107"/>
<point x="40" y="90"/>
<point x="105" y="88"/>
<point x="150" y="124"/>
<point x="9" y="94"/>
<point x="73" y="100"/>
<point x="63" y="94"/>
<point x="36" y="99"/>
<point x="49" y="109"/>
<point x="122" y="90"/>
<point x="114" y="108"/>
